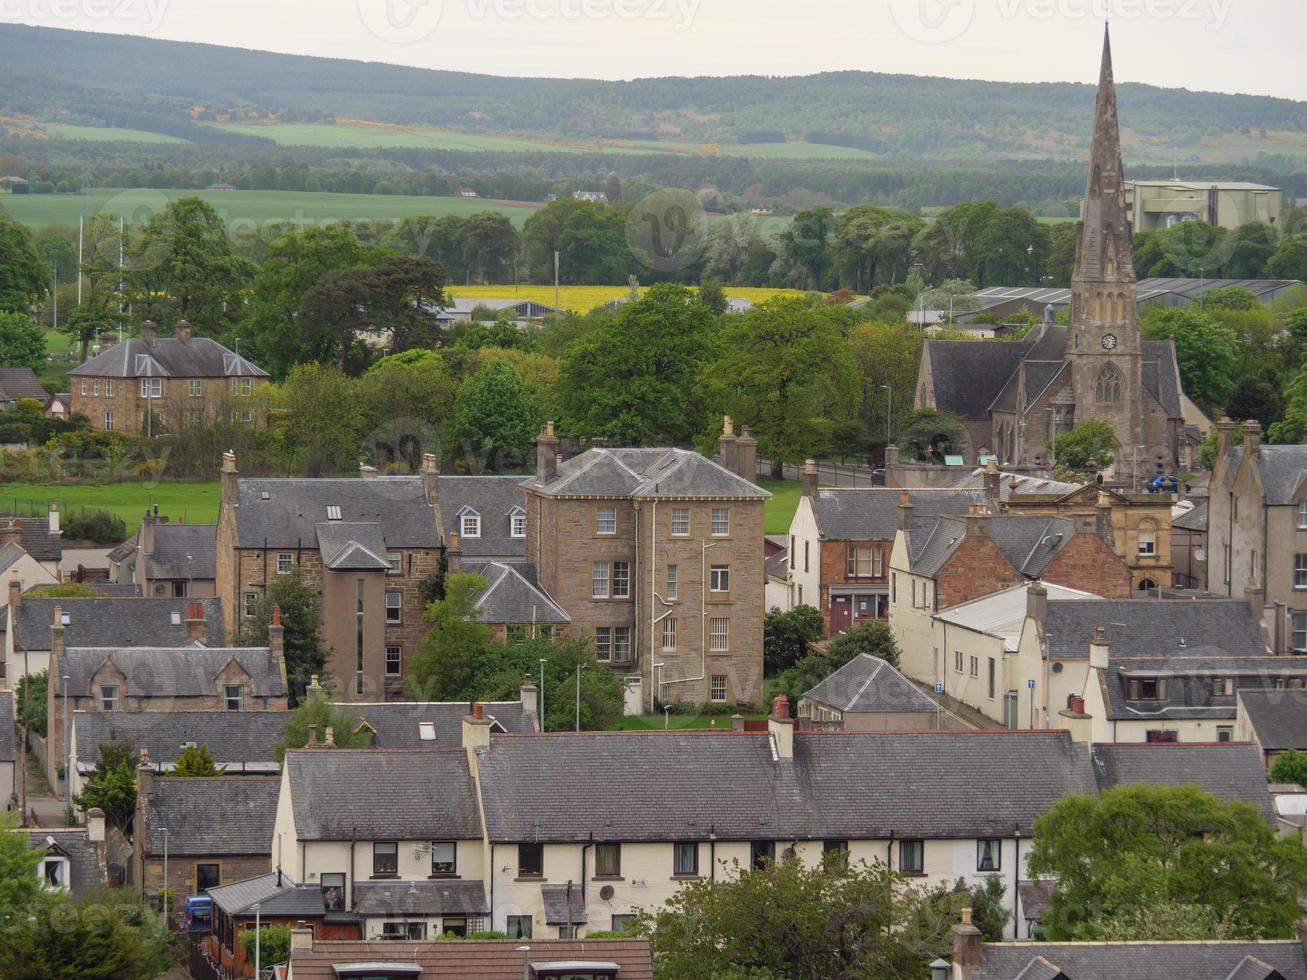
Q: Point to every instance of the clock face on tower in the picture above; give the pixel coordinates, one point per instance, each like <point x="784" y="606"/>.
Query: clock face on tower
<point x="1109" y="341"/>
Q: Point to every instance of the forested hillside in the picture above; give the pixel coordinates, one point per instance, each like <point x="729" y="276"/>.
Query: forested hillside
<point x="170" y="87"/>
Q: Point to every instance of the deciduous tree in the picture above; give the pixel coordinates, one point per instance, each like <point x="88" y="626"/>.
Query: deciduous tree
<point x="494" y="419"/>
<point x="300" y="609"/>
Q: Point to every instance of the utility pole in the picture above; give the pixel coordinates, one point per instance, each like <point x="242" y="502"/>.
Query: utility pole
<point x="889" y="412"/>
<point x="556" y="306"/>
<point x="579" y="668"/>
<point x="543" y="661"/>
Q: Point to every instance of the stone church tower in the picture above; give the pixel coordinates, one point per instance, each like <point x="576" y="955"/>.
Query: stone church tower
<point x="1106" y="354"/>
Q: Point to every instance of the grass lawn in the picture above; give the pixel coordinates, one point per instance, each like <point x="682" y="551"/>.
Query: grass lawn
<point x="641" y="723"/>
<point x="194" y="503"/>
<point x="246" y="209"/>
<point x="785" y="496"/>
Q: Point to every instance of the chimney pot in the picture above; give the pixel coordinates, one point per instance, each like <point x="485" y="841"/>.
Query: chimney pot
<point x="149" y="333"/>
<point x="780" y="706"/>
<point x="477" y="711"/>
<point x="182" y="331"/>
<point x="329" y="737"/>
<point x="1252" y="438"/>
<point x="313" y="735"/>
<point x="546" y="454"/>
<point x="810" y="478"/>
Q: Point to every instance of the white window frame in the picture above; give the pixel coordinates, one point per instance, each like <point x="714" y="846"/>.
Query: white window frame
<point x="603" y="643"/>
<point x="1299" y="637"/>
<point x="95" y="387"/>
<point x="152" y="388"/>
<point x="108" y="387"/>
<point x="621" y="580"/>
<point x="717" y="688"/>
<point x="672" y="571"/>
<point x="517" y="526"/>
<point x="227" y="698"/>
<point x="680" y="522"/>
<point x="108" y="697"/>
<point x="195" y="388"/>
<point x="1302" y="514"/>
<point x="83" y="386"/>
<point x="398" y="661"/>
<point x="721" y="522"/>
<point x="719" y="579"/>
<point x="1148" y="543"/>
<point x="719" y="634"/>
<point x="1300" y="571"/>
<point x="333" y="512"/>
<point x="285" y="562"/>
<point x="600" y="580"/>
<point x="396" y="559"/>
<point x="470" y="526"/>
<point x="395" y="606"/>
<point x="621" y="643"/>
<point x="669" y="633"/>
<point x="65" y="867"/>
<point x="251" y="600"/>
<point x="108" y="420"/>
<point x="605" y="520"/>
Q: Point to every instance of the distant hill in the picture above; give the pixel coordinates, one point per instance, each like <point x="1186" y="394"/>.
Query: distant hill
<point x="175" y="88"/>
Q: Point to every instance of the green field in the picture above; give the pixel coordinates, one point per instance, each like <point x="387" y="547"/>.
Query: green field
<point x="780" y="509"/>
<point x="105" y="134"/>
<point x="194" y="503"/>
<point x="394" y="137"/>
<point x="249" y="208"/>
<point x="643" y="723"/>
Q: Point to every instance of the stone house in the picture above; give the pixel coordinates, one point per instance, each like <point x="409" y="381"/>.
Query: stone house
<point x="150" y="384"/>
<point x="657" y="556"/>
<point x="1257" y="529"/>
<point x="166" y="559"/>
<point x="214" y="830"/>
<point x="1271" y="718"/>
<point x="74" y="859"/>
<point x="869" y="695"/>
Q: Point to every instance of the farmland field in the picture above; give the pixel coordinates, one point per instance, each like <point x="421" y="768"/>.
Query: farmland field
<point x="105" y="134"/>
<point x="582" y="299"/>
<point x="194" y="503"/>
<point x="249" y="208"/>
<point x="402" y="137"/>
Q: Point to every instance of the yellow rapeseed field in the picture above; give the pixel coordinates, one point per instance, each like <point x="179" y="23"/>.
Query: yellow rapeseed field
<point x="582" y="299"/>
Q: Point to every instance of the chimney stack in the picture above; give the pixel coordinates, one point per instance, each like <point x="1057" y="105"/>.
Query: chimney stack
<point x="313" y="737"/>
<point x="1224" y="435"/>
<point x="15" y="591"/>
<point x="993" y="482"/>
<point x="966" y="948"/>
<point x="529" y="695"/>
<point x="1099" y="650"/>
<point x="301" y="939"/>
<point x="144" y="779"/>
<point x="454" y="553"/>
<point x="183" y="332"/>
<point x="95" y="831"/>
<point x="329" y="737"/>
<point x="977" y="520"/>
<point x="277" y="635"/>
<point x="780" y="726"/>
<point x="195" y="632"/>
<point x="1252" y="439"/>
<point x="314" y="687"/>
<point x="55" y="530"/>
<point x="107" y="340"/>
<point x="546" y="454"/>
<point x="905" y="511"/>
<point x="746" y="455"/>
<point x="11" y="533"/>
<point x="810" y="478"/>
<point x="726" y="443"/>
<point x="1037" y="601"/>
<point x="431" y="480"/>
<point x="149" y="333"/>
<point x="476" y="733"/>
<point x="228" y="478"/>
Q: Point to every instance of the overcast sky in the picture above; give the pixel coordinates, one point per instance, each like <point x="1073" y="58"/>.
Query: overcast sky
<point x="1218" y="45"/>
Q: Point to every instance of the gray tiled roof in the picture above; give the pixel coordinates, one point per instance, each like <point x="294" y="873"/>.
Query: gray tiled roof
<point x="1140" y="961"/>
<point x="174" y="542"/>
<point x="1231" y="771"/>
<point x="867" y="683"/>
<point x="114" y="622"/>
<point x="8" y="737"/>
<point x="427" y="794"/>
<point x="1158" y="370"/>
<point x="1193" y="628"/>
<point x="1281" y="469"/>
<point x="510" y="597"/>
<point x="294" y="508"/>
<point x="494" y="498"/>
<point x="1188" y="687"/>
<point x="869" y="514"/>
<point x="1017" y="485"/>
<point x="439" y="897"/>
<point x="1028" y="543"/>
<point x="83" y="858"/>
<point x="562" y="908"/>
<point x="396" y="723"/>
<point x="168" y="357"/>
<point x="173" y="671"/>
<point x="220" y="815"/>
<point x="838" y="785"/>
<point x="1036" y="896"/>
<point x="232" y="737"/>
<point x="661" y="473"/>
<point x="1195" y="519"/>
<point x="37" y="540"/>
<point x="353" y="546"/>
<point x="968" y="375"/>
<point x="1278" y="717"/>
<point x="275" y="893"/>
<point x="16" y="383"/>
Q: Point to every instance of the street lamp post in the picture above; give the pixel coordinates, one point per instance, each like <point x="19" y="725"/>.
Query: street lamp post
<point x="68" y="749"/>
<point x="526" y="961"/>
<point x="579" y="668"/>
<point x="543" y="661"/>
<point x="889" y="411"/>
<point x="258" y="951"/>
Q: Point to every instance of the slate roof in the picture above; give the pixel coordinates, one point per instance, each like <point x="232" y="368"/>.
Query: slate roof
<point x="173" y="671"/>
<point x="1231" y="771"/>
<point x="37" y="540"/>
<point x="1036" y="896"/>
<point x="867" y="683"/>
<point x="841" y="785"/>
<point x="174" y="542"/>
<point x="275" y="892"/>
<point x="16" y="383"/>
<point x="647" y="473"/>
<point x="1029" y="543"/>
<point x="289" y="517"/>
<point x="8" y="737"/>
<point x="1281" y="469"/>
<point x="352" y="546"/>
<point x="397" y="723"/>
<point x="83" y="858"/>
<point x="967" y="375"/>
<point x="872" y="513"/>
<point x="1278" y="718"/>
<point x="494" y="498"/>
<point x="561" y="908"/>
<point x="1158" y="373"/>
<point x="232" y="737"/>
<point x="221" y="815"/>
<point x="1209" y="628"/>
<point x="511" y="597"/>
<point x="168" y="357"/>
<point x="336" y="791"/>
<point x="483" y="959"/>
<point x="1194" y="519"/>
<point x="1017" y="484"/>
<point x="114" y="622"/>
<point x="438" y="897"/>
<point x="9" y="554"/>
<point x="1139" y="961"/>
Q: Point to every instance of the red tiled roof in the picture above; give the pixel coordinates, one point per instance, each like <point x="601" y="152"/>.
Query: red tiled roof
<point x="483" y="959"/>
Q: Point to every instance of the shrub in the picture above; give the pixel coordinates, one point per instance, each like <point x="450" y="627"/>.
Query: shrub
<point x="98" y="525"/>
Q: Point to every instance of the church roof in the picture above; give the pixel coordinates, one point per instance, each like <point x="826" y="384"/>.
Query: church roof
<point x="966" y="374"/>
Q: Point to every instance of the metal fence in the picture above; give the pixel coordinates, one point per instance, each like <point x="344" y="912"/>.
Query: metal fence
<point x="198" y="962"/>
<point x="829" y="474"/>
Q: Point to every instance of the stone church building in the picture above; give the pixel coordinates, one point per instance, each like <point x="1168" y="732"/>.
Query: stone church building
<point x="1014" y="396"/>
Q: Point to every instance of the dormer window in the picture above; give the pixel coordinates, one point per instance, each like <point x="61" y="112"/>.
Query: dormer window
<point x="517" y="524"/>
<point x="53" y="871"/>
<point x="427" y="731"/>
<point x="471" y="525"/>
<point x="1145" y="689"/>
<point x="333" y="512"/>
<point x="109" y="697"/>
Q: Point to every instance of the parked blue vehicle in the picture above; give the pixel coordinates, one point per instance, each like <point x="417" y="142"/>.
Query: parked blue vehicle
<point x="199" y="914"/>
<point x="1162" y="483"/>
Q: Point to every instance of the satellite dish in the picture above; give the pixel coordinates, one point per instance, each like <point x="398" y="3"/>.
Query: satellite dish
<point x="607" y="893"/>
<point x="1057" y="668"/>
<point x="1200" y="554"/>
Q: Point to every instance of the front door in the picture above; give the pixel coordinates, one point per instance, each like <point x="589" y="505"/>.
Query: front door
<point x="841" y="613"/>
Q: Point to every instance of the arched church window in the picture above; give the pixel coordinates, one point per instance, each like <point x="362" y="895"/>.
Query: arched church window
<point x="1098" y="306"/>
<point x="1094" y="181"/>
<point x="1107" y="389"/>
